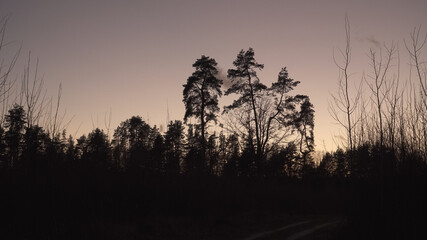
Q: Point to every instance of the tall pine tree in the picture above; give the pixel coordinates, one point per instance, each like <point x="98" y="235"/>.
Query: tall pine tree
<point x="201" y="93"/>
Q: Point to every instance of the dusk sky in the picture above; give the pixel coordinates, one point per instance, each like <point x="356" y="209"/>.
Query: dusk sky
<point x="132" y="57"/>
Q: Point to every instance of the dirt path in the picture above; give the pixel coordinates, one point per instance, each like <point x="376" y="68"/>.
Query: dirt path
<point x="264" y="234"/>
<point x="311" y="230"/>
<point x="298" y="230"/>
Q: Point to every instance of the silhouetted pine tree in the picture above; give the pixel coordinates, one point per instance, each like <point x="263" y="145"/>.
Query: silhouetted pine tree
<point x="245" y="83"/>
<point x="192" y="163"/>
<point x="97" y="155"/>
<point x="174" y="146"/>
<point x="231" y="155"/>
<point x="34" y="154"/>
<point x="3" y="151"/>
<point x="212" y="154"/>
<point x="14" y="123"/>
<point x="201" y="94"/>
<point x="133" y="140"/>
<point x="158" y="154"/>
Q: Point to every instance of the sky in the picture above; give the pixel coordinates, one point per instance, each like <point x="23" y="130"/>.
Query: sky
<point x="127" y="58"/>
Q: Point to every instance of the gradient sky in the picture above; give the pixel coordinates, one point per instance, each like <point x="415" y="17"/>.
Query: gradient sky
<point x="132" y="57"/>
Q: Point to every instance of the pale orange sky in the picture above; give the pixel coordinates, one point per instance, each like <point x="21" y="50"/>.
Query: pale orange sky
<point x="132" y="57"/>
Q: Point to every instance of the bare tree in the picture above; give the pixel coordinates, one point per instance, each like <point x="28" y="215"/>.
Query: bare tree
<point x="6" y="67"/>
<point x="380" y="66"/>
<point x="31" y="96"/>
<point x="107" y="122"/>
<point x="55" y="120"/>
<point x="392" y="106"/>
<point x="414" y="49"/>
<point x="343" y="102"/>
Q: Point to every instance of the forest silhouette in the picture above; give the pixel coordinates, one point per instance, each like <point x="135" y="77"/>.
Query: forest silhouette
<point x="203" y="180"/>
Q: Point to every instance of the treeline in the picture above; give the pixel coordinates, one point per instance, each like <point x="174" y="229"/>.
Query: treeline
<point x="137" y="147"/>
